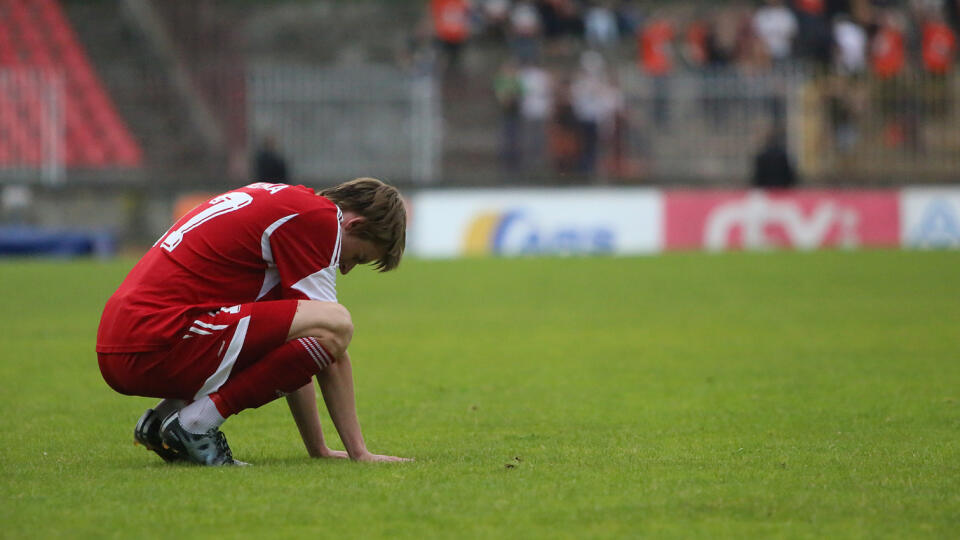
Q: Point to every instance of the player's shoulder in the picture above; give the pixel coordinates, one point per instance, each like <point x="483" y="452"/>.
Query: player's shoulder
<point x="299" y="197"/>
<point x="297" y="207"/>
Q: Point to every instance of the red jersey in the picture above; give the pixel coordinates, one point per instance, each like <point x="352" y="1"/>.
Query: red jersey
<point x="811" y="7"/>
<point x="698" y="33"/>
<point x="888" y="52"/>
<point x="939" y="46"/>
<point x="655" y="55"/>
<point x="260" y="242"/>
<point x="450" y="19"/>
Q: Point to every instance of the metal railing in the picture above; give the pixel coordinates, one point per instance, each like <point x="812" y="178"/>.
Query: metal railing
<point x="706" y="127"/>
<point x="693" y="128"/>
<point x="343" y="122"/>
<point x="32" y="125"/>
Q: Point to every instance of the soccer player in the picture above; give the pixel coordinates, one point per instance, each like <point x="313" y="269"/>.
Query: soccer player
<point x="236" y="306"/>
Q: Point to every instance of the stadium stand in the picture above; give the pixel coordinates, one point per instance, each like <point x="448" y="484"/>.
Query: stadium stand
<point x="37" y="45"/>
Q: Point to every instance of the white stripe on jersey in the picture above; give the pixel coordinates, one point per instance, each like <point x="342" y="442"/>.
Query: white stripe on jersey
<point x="335" y="258"/>
<point x="271" y="277"/>
<point x="196" y="330"/>
<point x="210" y="326"/>
<point x="321" y="285"/>
<point x="220" y="376"/>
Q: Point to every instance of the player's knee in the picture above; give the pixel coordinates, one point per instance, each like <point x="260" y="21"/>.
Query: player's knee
<point x="342" y="329"/>
<point x="329" y="322"/>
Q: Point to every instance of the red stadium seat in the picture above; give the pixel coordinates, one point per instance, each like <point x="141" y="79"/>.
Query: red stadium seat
<point x="15" y="136"/>
<point x="37" y="34"/>
<point x="8" y="56"/>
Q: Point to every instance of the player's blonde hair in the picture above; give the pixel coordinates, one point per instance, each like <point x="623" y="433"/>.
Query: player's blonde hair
<point x="386" y="217"/>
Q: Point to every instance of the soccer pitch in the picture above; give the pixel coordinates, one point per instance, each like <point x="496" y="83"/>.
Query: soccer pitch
<point x="802" y="395"/>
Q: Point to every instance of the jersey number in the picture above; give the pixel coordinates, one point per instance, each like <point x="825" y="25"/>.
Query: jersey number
<point x="228" y="202"/>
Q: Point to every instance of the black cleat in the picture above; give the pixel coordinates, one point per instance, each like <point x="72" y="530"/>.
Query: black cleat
<point x="208" y="448"/>
<point x="147" y="434"/>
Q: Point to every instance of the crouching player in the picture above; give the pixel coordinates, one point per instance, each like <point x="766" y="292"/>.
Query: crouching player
<point x="236" y="306"/>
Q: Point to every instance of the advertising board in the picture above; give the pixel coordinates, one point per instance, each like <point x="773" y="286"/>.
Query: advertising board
<point x="930" y="218"/>
<point x="535" y="222"/>
<point x="805" y="220"/>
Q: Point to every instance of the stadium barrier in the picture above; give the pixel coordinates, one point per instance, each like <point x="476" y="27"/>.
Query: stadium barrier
<point x="32" y="125"/>
<point x="803" y="220"/>
<point x="530" y="222"/>
<point x="328" y="120"/>
<point x="705" y="127"/>
<point x="632" y="221"/>
<point x="930" y="218"/>
<point x="23" y="240"/>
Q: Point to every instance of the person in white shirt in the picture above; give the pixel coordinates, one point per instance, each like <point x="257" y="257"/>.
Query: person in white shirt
<point x="851" y="40"/>
<point x="776" y="26"/>
<point x="536" y="106"/>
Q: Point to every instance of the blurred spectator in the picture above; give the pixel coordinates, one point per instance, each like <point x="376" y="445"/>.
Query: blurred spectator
<point x="814" y="38"/>
<point x="832" y="8"/>
<point x="843" y="99"/>
<point x="563" y="133"/>
<point x="752" y="53"/>
<point x="560" y="18"/>
<point x="589" y="95"/>
<point x="862" y="11"/>
<point x="268" y="164"/>
<point x="629" y="18"/>
<point x="898" y="107"/>
<point x="535" y="109"/>
<point x="772" y="167"/>
<point x="851" y="40"/>
<point x="952" y="10"/>
<point x="938" y="46"/>
<point x="722" y="38"/>
<point x="696" y="43"/>
<point x="496" y="19"/>
<point x="613" y="130"/>
<point x="451" y="28"/>
<point x="656" y="59"/>
<point x="525" y="32"/>
<point x="776" y="26"/>
<point x="810" y="7"/>
<point x="581" y="123"/>
<point x="656" y="54"/>
<point x="938" y="51"/>
<point x="887" y="52"/>
<point x="508" y="90"/>
<point x="600" y="26"/>
<point x="550" y="19"/>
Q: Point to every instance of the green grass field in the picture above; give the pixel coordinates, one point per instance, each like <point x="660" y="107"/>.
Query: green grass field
<point x="716" y="396"/>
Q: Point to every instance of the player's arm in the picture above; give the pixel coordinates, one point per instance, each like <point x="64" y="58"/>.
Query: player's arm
<point x="303" y="407"/>
<point x="302" y="248"/>
<point x="304" y="252"/>
<point x="336" y="384"/>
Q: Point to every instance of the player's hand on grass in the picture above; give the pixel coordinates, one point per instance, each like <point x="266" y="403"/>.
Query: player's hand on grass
<point x="369" y="457"/>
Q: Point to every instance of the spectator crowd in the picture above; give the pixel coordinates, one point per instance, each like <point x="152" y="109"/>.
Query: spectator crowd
<point x="560" y="100"/>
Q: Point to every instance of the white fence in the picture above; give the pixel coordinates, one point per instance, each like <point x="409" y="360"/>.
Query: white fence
<point x="704" y="128"/>
<point x="345" y="122"/>
<point x="32" y="125"/>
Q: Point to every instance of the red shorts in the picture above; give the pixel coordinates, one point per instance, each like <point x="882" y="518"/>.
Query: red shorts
<point x="214" y="347"/>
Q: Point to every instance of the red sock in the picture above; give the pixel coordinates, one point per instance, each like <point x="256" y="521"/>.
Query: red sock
<point x="282" y="371"/>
